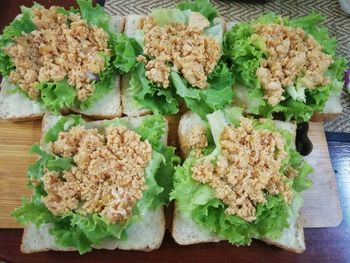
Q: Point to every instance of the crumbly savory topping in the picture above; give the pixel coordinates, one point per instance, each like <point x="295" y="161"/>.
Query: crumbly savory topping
<point x="248" y="167"/>
<point x="158" y="71"/>
<point x="187" y="47"/>
<point x="60" y="47"/>
<point x="195" y="139"/>
<point x="291" y="53"/>
<point x="108" y="178"/>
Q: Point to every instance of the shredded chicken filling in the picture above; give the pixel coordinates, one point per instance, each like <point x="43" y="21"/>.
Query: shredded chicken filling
<point x="108" y="178"/>
<point x="247" y="170"/>
<point x="291" y="53"/>
<point x="196" y="140"/>
<point x="187" y="47"/>
<point x="61" y="47"/>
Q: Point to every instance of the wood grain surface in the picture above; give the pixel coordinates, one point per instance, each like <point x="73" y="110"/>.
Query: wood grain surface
<point x="15" y="142"/>
<point x="321" y="202"/>
<point x="321" y="205"/>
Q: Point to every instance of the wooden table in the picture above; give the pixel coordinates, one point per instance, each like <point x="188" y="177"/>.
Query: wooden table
<point x="323" y="245"/>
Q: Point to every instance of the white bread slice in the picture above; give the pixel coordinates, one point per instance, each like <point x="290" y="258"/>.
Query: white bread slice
<point x="292" y="238"/>
<point x="38" y="240"/>
<point x="332" y="108"/>
<point x="187" y="122"/>
<point x="132" y="22"/>
<point x="146" y="234"/>
<point x="116" y="23"/>
<point x="130" y="106"/>
<point x="108" y="107"/>
<point x="186" y="232"/>
<point x="17" y="107"/>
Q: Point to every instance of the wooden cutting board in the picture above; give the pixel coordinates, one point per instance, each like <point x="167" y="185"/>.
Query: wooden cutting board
<point x="321" y="208"/>
<point x="15" y="142"/>
<point x="321" y="202"/>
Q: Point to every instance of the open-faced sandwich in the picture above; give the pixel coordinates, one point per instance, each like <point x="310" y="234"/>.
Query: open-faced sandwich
<point x="57" y="60"/>
<point x="286" y="66"/>
<point x="98" y="184"/>
<point x="242" y="179"/>
<point x="178" y="61"/>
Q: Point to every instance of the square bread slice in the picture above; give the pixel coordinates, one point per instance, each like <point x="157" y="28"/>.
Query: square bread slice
<point x="186" y="232"/>
<point x="17" y="107"/>
<point x="332" y="108"/>
<point x="146" y="234"/>
<point x="130" y="106"/>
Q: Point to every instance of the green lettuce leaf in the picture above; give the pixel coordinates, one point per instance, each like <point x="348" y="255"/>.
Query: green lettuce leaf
<point x="166" y="16"/>
<point x="197" y="201"/>
<point x="201" y="6"/>
<point x="94" y="15"/>
<point x="33" y="212"/>
<point x="55" y="96"/>
<point x="36" y="170"/>
<point x="126" y="51"/>
<point x="245" y="51"/>
<point x="182" y="11"/>
<point x="60" y="164"/>
<point x="215" y="31"/>
<point x="21" y="24"/>
<point x="310" y="24"/>
<point x="66" y="12"/>
<point x="6" y="65"/>
<point x="204" y="101"/>
<point x="300" y="182"/>
<point x="150" y="96"/>
<point x="153" y="129"/>
<point x="51" y="162"/>
<point x="63" y="124"/>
